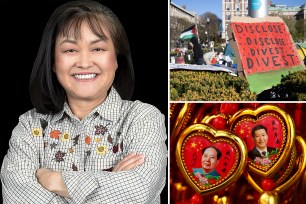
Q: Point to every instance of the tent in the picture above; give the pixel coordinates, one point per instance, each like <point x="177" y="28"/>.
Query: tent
<point x="228" y="51"/>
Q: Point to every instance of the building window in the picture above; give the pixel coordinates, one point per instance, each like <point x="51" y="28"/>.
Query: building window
<point x="228" y="7"/>
<point x="237" y="6"/>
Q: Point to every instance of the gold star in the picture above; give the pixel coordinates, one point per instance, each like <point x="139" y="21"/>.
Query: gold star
<point x="193" y="145"/>
<point x="241" y="131"/>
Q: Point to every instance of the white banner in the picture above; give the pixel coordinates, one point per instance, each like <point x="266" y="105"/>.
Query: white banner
<point x="193" y="67"/>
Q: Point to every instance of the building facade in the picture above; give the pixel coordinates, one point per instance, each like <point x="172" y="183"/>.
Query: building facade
<point x="232" y="8"/>
<point x="289" y="12"/>
<point x="240" y="8"/>
<point x="180" y="12"/>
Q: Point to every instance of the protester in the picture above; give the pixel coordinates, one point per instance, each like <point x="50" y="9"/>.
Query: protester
<point x="197" y="51"/>
<point x="210" y="57"/>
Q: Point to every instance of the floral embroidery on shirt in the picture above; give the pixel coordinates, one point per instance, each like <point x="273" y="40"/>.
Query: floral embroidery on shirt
<point x="101" y="150"/>
<point x="115" y="148"/>
<point x="45" y="144"/>
<point x="53" y="145"/>
<point x="65" y="137"/>
<point x="88" y="152"/>
<point x="37" y="132"/>
<point x="74" y="167"/>
<point x="101" y="129"/>
<point x="55" y="134"/>
<point x="87" y="140"/>
<point x="110" y="139"/>
<point x="76" y="140"/>
<point x="71" y="150"/>
<point x="59" y="156"/>
<point x="98" y="140"/>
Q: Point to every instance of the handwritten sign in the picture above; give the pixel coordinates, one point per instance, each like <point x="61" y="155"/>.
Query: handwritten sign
<point x="264" y="46"/>
<point x="264" y="50"/>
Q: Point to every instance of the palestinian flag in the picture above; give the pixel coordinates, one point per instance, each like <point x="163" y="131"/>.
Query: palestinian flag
<point x="188" y="33"/>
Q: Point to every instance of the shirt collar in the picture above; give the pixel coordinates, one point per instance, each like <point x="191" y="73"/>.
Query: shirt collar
<point x="111" y="107"/>
<point x="108" y="109"/>
<point x="261" y="151"/>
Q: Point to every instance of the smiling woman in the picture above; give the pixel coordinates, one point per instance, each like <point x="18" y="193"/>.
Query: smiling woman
<point x="85" y="141"/>
<point x="85" y="65"/>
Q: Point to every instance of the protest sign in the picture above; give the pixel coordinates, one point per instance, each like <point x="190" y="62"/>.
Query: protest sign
<point x="264" y="50"/>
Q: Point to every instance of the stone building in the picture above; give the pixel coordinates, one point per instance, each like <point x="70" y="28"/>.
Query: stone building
<point x="181" y="12"/>
<point x="240" y="8"/>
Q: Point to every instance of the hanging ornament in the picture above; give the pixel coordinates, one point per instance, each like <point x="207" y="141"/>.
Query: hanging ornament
<point x="209" y="159"/>
<point x="219" y="123"/>
<point x="229" y="108"/>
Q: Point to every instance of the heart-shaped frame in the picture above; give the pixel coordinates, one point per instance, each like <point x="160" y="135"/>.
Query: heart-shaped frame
<point x="293" y="179"/>
<point x="191" y="152"/>
<point x="280" y="176"/>
<point x="280" y="130"/>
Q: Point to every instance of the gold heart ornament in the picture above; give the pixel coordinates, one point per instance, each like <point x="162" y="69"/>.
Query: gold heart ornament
<point x="210" y="159"/>
<point x="301" y="165"/>
<point x="269" y="134"/>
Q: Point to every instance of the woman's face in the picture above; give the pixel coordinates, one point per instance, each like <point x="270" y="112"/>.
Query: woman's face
<point x="85" y="67"/>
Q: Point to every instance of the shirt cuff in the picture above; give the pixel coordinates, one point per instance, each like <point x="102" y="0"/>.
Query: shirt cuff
<point x="79" y="185"/>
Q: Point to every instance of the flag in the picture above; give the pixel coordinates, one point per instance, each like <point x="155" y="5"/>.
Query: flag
<point x="188" y="33"/>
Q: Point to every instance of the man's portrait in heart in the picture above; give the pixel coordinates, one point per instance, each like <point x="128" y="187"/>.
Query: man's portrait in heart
<point x="209" y="160"/>
<point x="264" y="138"/>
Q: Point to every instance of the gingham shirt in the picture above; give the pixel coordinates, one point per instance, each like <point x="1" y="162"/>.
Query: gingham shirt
<point x="85" y="151"/>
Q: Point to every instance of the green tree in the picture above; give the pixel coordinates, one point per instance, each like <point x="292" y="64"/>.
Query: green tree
<point x="300" y="29"/>
<point x="213" y="25"/>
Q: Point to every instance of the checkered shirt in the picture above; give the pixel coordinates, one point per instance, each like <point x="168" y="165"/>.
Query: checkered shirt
<point x="85" y="151"/>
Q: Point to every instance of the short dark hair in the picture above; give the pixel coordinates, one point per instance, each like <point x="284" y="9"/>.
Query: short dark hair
<point x="258" y="127"/>
<point x="219" y="153"/>
<point x="47" y="94"/>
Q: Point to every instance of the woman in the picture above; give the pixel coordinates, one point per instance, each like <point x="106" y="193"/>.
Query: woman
<point x="85" y="142"/>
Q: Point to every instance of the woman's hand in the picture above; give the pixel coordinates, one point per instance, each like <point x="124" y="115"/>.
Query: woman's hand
<point x="52" y="181"/>
<point x="129" y="162"/>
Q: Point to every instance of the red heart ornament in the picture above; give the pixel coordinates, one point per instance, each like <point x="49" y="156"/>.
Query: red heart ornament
<point x="281" y="175"/>
<point x="275" y="130"/>
<point x="210" y="159"/>
<point x="300" y="169"/>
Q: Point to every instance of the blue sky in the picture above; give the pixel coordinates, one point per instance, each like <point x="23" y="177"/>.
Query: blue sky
<point x="215" y="6"/>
